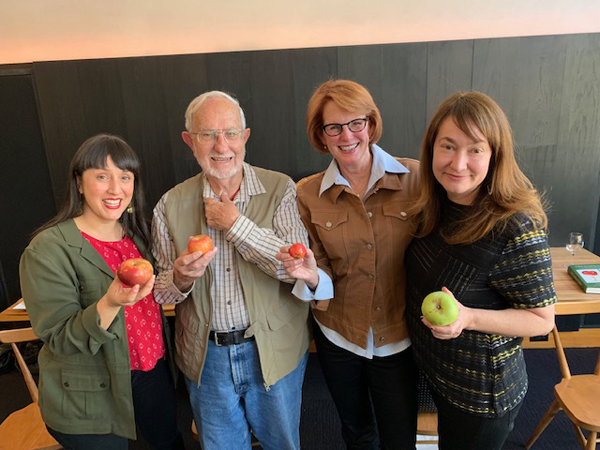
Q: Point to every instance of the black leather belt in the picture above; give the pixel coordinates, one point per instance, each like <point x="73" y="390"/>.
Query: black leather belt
<point x="229" y="337"/>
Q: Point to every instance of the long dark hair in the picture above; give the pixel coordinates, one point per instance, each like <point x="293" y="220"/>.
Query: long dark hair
<point x="93" y="154"/>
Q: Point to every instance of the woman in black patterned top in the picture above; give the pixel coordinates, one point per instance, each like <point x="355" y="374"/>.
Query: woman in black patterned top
<point x="481" y="239"/>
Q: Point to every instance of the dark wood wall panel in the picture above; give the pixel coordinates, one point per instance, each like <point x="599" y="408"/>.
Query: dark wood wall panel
<point x="76" y="99"/>
<point x="146" y="121"/>
<point x="309" y="68"/>
<point x="395" y="76"/>
<point x="547" y="85"/>
<point x="577" y="187"/>
<point x="27" y="200"/>
<point x="182" y="78"/>
<point x="449" y="69"/>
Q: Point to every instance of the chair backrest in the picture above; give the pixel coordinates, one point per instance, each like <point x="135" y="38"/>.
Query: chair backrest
<point x="13" y="337"/>
<point x="562" y="358"/>
<point x="560" y="352"/>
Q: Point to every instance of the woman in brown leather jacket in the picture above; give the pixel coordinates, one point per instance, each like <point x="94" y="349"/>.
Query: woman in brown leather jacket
<point x="355" y="214"/>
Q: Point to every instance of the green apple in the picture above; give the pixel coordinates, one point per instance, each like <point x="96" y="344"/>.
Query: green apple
<point x="440" y="308"/>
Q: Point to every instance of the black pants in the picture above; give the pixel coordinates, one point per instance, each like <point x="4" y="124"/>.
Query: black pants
<point x="155" y="408"/>
<point x="459" y="430"/>
<point x="376" y="399"/>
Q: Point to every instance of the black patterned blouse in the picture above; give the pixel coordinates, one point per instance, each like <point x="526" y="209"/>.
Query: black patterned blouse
<point x="479" y="373"/>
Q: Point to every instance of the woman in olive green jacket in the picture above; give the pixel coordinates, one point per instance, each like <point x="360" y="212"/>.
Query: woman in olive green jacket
<point x="103" y="366"/>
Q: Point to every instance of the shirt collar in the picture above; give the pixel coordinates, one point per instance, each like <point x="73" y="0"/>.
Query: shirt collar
<point x="382" y="163"/>
<point x="250" y="186"/>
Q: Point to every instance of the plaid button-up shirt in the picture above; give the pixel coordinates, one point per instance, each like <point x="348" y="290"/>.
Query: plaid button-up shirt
<point x="256" y="245"/>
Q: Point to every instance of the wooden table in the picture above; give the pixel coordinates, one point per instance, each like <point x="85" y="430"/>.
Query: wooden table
<point x="13" y="314"/>
<point x="571" y="298"/>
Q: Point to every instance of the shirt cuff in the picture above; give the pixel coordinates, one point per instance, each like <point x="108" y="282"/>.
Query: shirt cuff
<point x="241" y="229"/>
<point x="324" y="290"/>
<point x="173" y="290"/>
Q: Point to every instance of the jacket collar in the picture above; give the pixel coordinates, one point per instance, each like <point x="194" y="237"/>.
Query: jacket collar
<point x="251" y="185"/>
<point x="383" y="175"/>
<point x="75" y="239"/>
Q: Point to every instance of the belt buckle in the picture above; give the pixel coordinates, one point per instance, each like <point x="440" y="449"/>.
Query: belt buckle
<point x="216" y="335"/>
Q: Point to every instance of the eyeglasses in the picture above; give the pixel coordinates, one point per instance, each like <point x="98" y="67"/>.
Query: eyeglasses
<point x="229" y="134"/>
<point x="335" y="129"/>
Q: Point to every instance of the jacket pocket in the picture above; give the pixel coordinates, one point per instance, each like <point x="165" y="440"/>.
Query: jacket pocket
<point x="333" y="232"/>
<point x="90" y="291"/>
<point x="85" y="395"/>
<point x="396" y="210"/>
<point x="395" y="233"/>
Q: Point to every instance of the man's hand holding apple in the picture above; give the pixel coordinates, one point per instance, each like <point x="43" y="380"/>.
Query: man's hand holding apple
<point x="304" y="269"/>
<point x="454" y="329"/>
<point x="189" y="266"/>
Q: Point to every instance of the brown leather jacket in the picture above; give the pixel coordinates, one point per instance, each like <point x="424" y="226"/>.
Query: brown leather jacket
<point x="361" y="246"/>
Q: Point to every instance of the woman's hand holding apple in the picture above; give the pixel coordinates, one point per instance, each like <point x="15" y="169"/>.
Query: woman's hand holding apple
<point x="119" y="295"/>
<point x="453" y="330"/>
<point x="304" y="269"/>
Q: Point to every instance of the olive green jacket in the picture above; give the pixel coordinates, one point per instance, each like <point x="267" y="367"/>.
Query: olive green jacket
<point x="85" y="374"/>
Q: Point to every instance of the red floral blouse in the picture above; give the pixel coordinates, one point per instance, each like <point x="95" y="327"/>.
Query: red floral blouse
<point x="142" y="320"/>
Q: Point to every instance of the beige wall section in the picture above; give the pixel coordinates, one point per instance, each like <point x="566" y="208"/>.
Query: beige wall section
<point x="44" y="30"/>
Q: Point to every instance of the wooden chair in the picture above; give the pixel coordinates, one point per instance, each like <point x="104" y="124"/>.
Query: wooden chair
<point x="427" y="423"/>
<point x="24" y="429"/>
<point x="579" y="397"/>
<point x="427" y="420"/>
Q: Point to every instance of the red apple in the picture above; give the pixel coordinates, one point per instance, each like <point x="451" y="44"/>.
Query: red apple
<point x="200" y="243"/>
<point x="135" y="271"/>
<point x="297" y="251"/>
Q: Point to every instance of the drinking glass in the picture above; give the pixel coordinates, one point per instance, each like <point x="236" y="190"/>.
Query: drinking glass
<point x="574" y="245"/>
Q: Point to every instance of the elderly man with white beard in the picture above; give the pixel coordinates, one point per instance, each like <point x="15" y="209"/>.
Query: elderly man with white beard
<point x="241" y="336"/>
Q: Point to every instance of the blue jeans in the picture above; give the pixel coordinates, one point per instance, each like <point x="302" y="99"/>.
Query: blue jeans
<point x="232" y="400"/>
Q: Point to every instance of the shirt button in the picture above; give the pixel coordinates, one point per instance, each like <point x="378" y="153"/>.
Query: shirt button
<point x="102" y="385"/>
<point x="66" y="384"/>
<point x="228" y="269"/>
<point x="382" y="339"/>
<point x="371" y="277"/>
<point x="328" y="224"/>
<point x="369" y="214"/>
<point x="378" y="309"/>
<point x="403" y="214"/>
<point x="229" y="302"/>
<point x="369" y="246"/>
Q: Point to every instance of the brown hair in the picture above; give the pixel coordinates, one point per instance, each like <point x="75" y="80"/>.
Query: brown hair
<point x="348" y="95"/>
<point x="504" y="191"/>
<point x="93" y="154"/>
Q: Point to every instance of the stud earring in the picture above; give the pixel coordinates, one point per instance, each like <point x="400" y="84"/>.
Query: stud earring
<point x="129" y="209"/>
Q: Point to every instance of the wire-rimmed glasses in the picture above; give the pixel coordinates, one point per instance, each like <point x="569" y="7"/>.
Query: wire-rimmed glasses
<point x="229" y="134"/>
